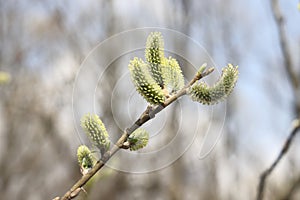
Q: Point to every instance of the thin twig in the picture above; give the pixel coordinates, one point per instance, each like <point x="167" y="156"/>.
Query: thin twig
<point x="287" y="59"/>
<point x="278" y="17"/>
<point x="148" y="114"/>
<point x="283" y="42"/>
<point x="285" y="148"/>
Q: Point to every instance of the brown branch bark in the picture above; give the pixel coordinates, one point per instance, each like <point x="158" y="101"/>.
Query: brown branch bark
<point x="148" y="114"/>
<point x="285" y="148"/>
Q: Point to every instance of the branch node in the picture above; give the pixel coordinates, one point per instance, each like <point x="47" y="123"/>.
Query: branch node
<point x="125" y="145"/>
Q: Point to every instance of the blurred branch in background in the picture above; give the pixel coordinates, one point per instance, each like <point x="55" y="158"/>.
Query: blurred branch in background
<point x="284" y="150"/>
<point x="286" y="55"/>
<point x="294" y="80"/>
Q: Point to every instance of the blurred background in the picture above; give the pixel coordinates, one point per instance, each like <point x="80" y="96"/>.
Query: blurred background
<point x="42" y="47"/>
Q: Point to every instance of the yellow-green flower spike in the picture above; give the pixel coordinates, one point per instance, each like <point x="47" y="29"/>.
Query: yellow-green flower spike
<point x="223" y="87"/>
<point x="154" y="55"/>
<point x="154" y="52"/>
<point x="84" y="156"/>
<point x="144" y="83"/>
<point x="96" y="131"/>
<point x="138" y="139"/>
<point x="172" y="75"/>
<point x="156" y="72"/>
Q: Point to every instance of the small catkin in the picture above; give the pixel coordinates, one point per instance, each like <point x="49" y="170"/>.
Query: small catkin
<point x="84" y="156"/>
<point x="96" y="131"/>
<point x="138" y="139"/>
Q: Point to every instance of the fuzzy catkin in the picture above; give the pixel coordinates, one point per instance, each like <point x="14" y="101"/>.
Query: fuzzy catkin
<point x="207" y="95"/>
<point x="138" y="139"/>
<point x="154" y="55"/>
<point x="84" y="157"/>
<point x="144" y="82"/>
<point x="96" y="131"/>
<point x="172" y="75"/>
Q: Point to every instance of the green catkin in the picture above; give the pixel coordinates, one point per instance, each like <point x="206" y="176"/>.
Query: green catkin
<point x="172" y="75"/>
<point x="204" y="94"/>
<point x="144" y="83"/>
<point x="154" y="52"/>
<point x="96" y="131"/>
<point x="154" y="55"/>
<point x="84" y="156"/>
<point x="138" y="139"/>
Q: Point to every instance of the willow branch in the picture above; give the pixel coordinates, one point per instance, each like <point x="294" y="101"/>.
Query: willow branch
<point x="284" y="150"/>
<point x="148" y="114"/>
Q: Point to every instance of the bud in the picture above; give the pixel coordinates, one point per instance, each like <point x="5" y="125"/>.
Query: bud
<point x="138" y="139"/>
<point x="85" y="159"/>
<point x="201" y="69"/>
